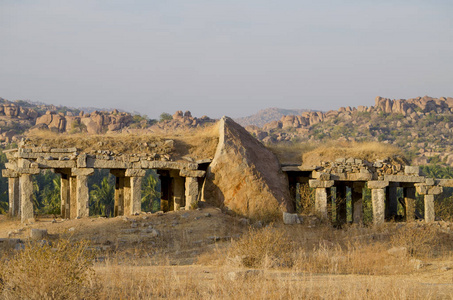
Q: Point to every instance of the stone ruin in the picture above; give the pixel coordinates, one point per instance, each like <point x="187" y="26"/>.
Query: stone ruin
<point x="243" y="175"/>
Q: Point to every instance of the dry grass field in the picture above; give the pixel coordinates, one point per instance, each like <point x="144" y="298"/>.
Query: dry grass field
<point x="212" y="254"/>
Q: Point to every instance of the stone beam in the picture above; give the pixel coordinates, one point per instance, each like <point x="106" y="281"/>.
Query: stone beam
<point x="313" y="183"/>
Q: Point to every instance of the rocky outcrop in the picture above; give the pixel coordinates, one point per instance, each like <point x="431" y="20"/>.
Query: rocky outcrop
<point x="182" y="120"/>
<point x="245" y="176"/>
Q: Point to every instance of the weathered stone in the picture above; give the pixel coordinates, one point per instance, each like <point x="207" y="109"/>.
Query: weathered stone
<point x="412" y="170"/>
<point x="321" y="202"/>
<point x="135" y="173"/>
<point x="404" y="178"/>
<point x="26" y="200"/>
<point x="82" y="171"/>
<point x="63" y="150"/>
<point x="192" y="173"/>
<point x="429" y="208"/>
<point x="245" y="176"/>
<point x="378" y="202"/>
<point x="38" y="234"/>
<point x="191" y="192"/>
<point x="136" y="194"/>
<point x="82" y="160"/>
<point x="321" y="183"/>
<point x="290" y="219"/>
<point x="377" y="184"/>
<point x="6" y="173"/>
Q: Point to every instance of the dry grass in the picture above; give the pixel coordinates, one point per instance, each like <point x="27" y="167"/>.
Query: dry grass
<point x="290" y="153"/>
<point x="274" y="262"/>
<point x="370" y="151"/>
<point x="44" y="271"/>
<point x="198" y="143"/>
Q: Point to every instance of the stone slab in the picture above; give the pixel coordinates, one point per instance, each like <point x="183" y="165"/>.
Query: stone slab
<point x="321" y="183"/>
<point x="135" y="173"/>
<point x="63" y="150"/>
<point x="404" y="178"/>
<point x="192" y="173"/>
<point x="9" y="173"/>
<point x="82" y="171"/>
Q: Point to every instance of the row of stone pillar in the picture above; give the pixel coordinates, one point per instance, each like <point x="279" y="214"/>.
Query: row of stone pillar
<point x="75" y="192"/>
<point x="383" y="197"/>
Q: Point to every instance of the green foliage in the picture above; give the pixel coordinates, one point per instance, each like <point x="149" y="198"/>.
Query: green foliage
<point x="102" y="197"/>
<point x="165" y="117"/>
<point x="151" y="192"/>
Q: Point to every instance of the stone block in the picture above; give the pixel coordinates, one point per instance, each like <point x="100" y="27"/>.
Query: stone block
<point x="290" y="219"/>
<point x="404" y="178"/>
<point x="412" y="170"/>
<point x="429" y="181"/>
<point x="377" y="184"/>
<point x="320" y="175"/>
<point x="82" y="160"/>
<point x="38" y="234"/>
<point x="29" y="171"/>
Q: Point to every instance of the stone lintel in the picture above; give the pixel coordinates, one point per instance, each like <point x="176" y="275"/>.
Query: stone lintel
<point x="82" y="171"/>
<point x="168" y="165"/>
<point x="191" y="173"/>
<point x="30" y="171"/>
<point x="313" y="183"/>
<point x="63" y="150"/>
<point x="135" y="173"/>
<point x="106" y="164"/>
<point x="404" y="178"/>
<point x="9" y="173"/>
<point x="444" y="182"/>
<point x="377" y="184"/>
<point x="56" y="164"/>
<point x="359" y="176"/>
<point x="204" y="161"/>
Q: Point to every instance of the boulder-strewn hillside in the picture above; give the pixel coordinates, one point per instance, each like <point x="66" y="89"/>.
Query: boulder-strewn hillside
<point x="421" y="126"/>
<point x="267" y="115"/>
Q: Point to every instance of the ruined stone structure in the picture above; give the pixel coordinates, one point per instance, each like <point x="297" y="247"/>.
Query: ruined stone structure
<point x="333" y="180"/>
<point x="243" y="176"/>
<point x="180" y="179"/>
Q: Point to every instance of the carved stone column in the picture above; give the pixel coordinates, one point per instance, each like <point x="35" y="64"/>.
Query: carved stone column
<point x="378" y="200"/>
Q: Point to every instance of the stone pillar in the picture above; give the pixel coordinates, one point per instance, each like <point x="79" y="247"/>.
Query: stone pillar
<point x="136" y="194"/>
<point x="82" y="191"/>
<point x="26" y="197"/>
<point x="133" y="191"/>
<point x="178" y="190"/>
<point x="13" y="192"/>
<point x="409" y="200"/>
<point x="428" y="191"/>
<point x="321" y="196"/>
<point x="65" y="195"/>
<point x="14" y="198"/>
<point x="357" y="202"/>
<point x="191" y="192"/>
<point x="321" y="202"/>
<point x="378" y="200"/>
<point x="391" y="209"/>
<point x="340" y="203"/>
<point x="119" y="197"/>
<point x="429" y="208"/>
<point x="72" y="197"/>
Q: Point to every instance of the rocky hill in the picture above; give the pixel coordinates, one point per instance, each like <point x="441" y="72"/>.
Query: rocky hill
<point x="268" y="115"/>
<point x="421" y="126"/>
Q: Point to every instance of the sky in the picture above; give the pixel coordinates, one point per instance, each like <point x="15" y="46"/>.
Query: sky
<point x="224" y="57"/>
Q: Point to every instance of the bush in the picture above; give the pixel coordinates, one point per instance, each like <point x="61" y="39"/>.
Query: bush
<point x="266" y="247"/>
<point x="43" y="271"/>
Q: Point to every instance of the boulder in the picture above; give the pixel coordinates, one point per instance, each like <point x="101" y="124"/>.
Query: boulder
<point x="245" y="176"/>
<point x="290" y="219"/>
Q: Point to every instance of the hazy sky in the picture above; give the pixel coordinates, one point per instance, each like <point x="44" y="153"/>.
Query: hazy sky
<point x="224" y="57"/>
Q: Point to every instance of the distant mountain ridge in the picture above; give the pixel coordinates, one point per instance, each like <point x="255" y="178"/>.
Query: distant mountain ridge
<point x="268" y="115"/>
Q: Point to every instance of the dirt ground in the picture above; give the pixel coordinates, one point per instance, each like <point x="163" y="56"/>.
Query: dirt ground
<point x="187" y="245"/>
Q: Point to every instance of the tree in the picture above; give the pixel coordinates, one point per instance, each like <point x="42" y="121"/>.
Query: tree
<point x="165" y="116"/>
<point x="150" y="193"/>
<point x="102" y="198"/>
